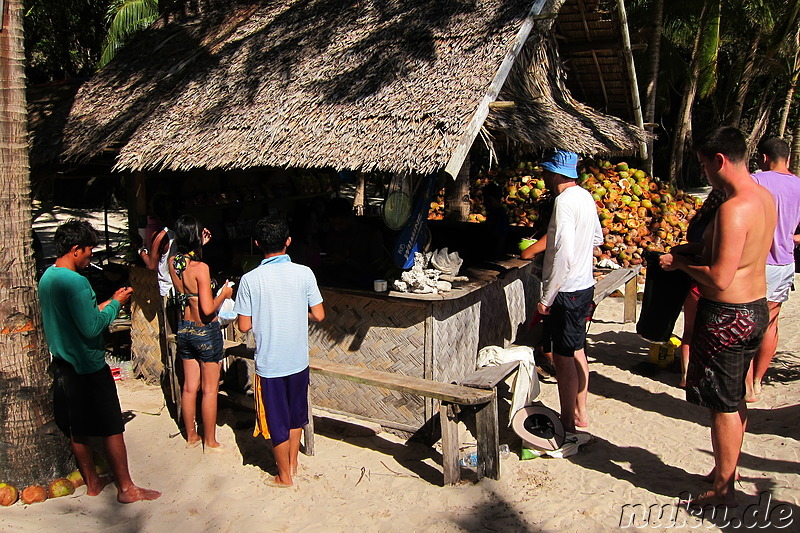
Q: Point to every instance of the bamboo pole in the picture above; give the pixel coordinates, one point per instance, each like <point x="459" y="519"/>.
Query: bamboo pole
<point x="628" y="54"/>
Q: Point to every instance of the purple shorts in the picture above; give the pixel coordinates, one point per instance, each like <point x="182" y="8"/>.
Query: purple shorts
<point x="286" y="403"/>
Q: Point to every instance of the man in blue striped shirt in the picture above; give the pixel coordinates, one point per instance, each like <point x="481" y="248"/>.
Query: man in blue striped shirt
<point x="276" y="300"/>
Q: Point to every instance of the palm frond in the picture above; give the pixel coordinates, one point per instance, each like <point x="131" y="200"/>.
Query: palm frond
<point x="127" y="17"/>
<point x="708" y="51"/>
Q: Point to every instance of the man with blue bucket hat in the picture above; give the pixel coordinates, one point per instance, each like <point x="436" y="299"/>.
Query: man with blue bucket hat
<point x="567" y="281"/>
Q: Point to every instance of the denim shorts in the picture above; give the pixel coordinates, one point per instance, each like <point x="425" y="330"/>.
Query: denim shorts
<point x="203" y="343"/>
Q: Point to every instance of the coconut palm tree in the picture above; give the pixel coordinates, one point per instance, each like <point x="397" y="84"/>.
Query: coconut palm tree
<point x="31" y="448"/>
<point x="701" y="80"/>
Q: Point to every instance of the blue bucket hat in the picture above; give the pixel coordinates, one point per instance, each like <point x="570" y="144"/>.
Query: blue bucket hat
<point x="561" y="162"/>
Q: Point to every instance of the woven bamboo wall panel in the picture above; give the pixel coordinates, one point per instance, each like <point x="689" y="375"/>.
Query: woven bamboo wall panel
<point x="146" y="339"/>
<point x="491" y="316"/>
<point x="378" y="334"/>
<point x="455" y="337"/>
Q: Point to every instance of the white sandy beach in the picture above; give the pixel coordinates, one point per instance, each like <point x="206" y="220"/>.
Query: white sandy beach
<point x="649" y="447"/>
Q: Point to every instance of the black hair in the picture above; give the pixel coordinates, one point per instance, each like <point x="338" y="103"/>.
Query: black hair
<point x="776" y="149"/>
<point x="727" y="141"/>
<point x="72" y="233"/>
<point x="492" y="190"/>
<point x="271" y="234"/>
<point x="188" y="235"/>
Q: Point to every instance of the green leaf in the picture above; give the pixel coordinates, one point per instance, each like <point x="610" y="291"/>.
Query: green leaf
<point x="127" y="18"/>
<point x="708" y="51"/>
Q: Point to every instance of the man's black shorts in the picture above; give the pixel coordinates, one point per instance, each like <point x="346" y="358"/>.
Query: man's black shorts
<point x="86" y="404"/>
<point x="567" y="321"/>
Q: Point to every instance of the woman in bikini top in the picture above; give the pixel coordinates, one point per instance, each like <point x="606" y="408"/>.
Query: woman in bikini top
<point x="199" y="337"/>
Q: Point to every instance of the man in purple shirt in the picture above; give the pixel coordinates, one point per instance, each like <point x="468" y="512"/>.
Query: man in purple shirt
<point x="773" y="155"/>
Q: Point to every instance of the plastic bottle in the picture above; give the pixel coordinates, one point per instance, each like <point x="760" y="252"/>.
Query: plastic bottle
<point x="504" y="451"/>
<point x="469" y="460"/>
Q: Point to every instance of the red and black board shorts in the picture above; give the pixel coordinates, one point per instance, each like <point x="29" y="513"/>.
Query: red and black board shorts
<point x="725" y="339"/>
<point x="566" y="322"/>
<point x="86" y="404"/>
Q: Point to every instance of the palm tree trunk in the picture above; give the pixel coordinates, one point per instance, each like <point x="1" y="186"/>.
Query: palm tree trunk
<point x="794" y="160"/>
<point x="31" y="448"/>
<point x="456" y="201"/>
<point x="762" y="120"/>
<point x="684" y="119"/>
<point x="749" y="72"/>
<point x="787" y="103"/>
<point x="654" y="56"/>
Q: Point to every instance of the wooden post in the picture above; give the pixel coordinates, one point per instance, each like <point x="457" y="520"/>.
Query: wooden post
<point x="137" y="204"/>
<point x="449" y="423"/>
<point x="629" y="309"/>
<point x="358" y="200"/>
<point x="308" y="430"/>
<point x="456" y="202"/>
<point x="488" y="440"/>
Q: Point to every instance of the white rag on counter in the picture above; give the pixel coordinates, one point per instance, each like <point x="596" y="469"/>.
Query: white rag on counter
<point x="525" y="388"/>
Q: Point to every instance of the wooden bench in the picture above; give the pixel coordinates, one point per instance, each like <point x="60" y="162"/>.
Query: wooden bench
<point x="611" y="282"/>
<point x="483" y="401"/>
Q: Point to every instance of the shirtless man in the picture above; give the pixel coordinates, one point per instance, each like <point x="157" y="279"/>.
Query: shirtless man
<point x="732" y="313"/>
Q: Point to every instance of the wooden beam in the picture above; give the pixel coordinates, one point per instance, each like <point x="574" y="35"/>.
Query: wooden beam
<point x="479" y="116"/>
<point x="502" y="104"/>
<point x="445" y="392"/>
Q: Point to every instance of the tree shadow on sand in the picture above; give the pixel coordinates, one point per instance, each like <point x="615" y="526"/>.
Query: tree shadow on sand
<point x="647" y="471"/>
<point x="641" y="398"/>
<point x="494" y="515"/>
<point x="257" y="451"/>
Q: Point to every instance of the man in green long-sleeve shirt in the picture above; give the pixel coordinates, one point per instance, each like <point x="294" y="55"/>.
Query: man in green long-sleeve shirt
<point x="85" y="397"/>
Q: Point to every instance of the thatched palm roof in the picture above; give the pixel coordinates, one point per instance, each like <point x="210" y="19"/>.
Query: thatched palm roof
<point x="546" y="114"/>
<point x="386" y="86"/>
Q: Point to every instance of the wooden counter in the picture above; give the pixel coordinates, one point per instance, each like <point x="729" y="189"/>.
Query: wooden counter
<point x="433" y="336"/>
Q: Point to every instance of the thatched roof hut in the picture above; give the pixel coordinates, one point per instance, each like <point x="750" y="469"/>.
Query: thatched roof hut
<point x="393" y="86"/>
<point x="589" y="43"/>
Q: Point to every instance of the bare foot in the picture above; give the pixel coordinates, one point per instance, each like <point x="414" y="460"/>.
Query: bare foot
<point x="276" y="482"/>
<point x="193" y="443"/>
<point x="709" y="478"/>
<point x="757" y="388"/>
<point x="581" y="421"/>
<point x="95" y="489"/>
<point x="137" y="494"/>
<point x="216" y="448"/>
<point x="714" y="499"/>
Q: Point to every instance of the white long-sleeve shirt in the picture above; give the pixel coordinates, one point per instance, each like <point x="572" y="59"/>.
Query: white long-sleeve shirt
<point x="573" y="232"/>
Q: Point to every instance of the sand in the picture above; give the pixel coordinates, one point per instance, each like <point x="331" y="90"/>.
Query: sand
<point x="649" y="447"/>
